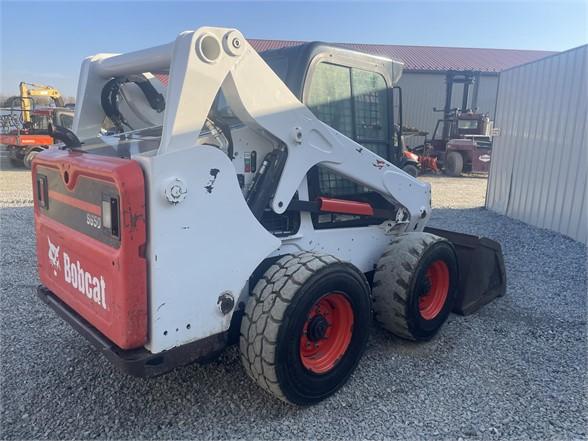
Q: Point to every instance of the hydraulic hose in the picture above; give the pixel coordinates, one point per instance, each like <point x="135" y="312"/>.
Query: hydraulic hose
<point x="64" y="135"/>
<point x="110" y="94"/>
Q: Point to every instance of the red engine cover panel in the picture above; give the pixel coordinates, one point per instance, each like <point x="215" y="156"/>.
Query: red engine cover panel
<point x="98" y="270"/>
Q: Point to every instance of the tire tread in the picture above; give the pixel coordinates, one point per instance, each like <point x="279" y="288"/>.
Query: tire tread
<point x="275" y="286"/>
<point x="392" y="281"/>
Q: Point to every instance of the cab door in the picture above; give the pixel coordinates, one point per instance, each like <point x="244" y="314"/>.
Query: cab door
<point x="354" y="99"/>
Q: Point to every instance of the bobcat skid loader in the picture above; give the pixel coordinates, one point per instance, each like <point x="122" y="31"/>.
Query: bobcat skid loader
<point x="220" y="209"/>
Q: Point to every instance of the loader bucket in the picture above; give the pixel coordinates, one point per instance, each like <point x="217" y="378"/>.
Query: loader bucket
<point x="482" y="276"/>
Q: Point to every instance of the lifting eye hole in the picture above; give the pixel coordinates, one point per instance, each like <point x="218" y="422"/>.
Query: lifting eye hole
<point x="66" y="177"/>
<point x="209" y="48"/>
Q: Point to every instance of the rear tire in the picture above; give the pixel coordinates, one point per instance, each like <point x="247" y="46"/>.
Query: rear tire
<point x="415" y="285"/>
<point x="454" y="164"/>
<point x="411" y="169"/>
<point x="305" y="327"/>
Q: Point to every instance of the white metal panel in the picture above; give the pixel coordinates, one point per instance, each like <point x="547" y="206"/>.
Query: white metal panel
<point x="539" y="162"/>
<point x="212" y="228"/>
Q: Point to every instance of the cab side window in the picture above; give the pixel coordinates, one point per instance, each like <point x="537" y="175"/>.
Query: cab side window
<point x="329" y="97"/>
<point x="66" y="120"/>
<point x="370" y="99"/>
<point x="354" y="102"/>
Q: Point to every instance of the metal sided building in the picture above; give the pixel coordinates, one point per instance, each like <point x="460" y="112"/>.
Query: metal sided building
<point x="425" y="69"/>
<point x="539" y="161"/>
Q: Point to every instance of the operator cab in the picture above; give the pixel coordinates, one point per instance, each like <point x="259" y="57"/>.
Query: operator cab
<point x="42" y="117"/>
<point x="354" y="93"/>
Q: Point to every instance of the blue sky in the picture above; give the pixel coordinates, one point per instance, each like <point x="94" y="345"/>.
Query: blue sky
<point x="45" y="42"/>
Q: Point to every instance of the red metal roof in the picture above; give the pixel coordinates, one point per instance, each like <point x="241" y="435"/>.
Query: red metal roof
<point x="432" y="58"/>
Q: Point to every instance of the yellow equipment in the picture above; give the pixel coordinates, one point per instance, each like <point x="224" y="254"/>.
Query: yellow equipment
<point x="27" y="94"/>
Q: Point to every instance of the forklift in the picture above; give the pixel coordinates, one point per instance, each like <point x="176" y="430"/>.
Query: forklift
<point x="465" y="140"/>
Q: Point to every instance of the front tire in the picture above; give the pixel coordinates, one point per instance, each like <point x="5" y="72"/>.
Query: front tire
<point x="411" y="169"/>
<point x="305" y="327"/>
<point x="415" y="285"/>
<point x="454" y="164"/>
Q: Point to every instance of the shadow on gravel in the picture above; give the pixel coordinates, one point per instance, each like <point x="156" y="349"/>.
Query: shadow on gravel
<point x="515" y="369"/>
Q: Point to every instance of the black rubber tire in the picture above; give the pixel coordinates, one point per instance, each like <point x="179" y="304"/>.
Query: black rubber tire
<point x="275" y="315"/>
<point x="16" y="163"/>
<point x="411" y="169"/>
<point x="398" y="275"/>
<point x="453" y="164"/>
<point x="28" y="159"/>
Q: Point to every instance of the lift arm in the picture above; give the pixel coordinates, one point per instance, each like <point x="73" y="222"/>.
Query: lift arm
<point x="204" y="61"/>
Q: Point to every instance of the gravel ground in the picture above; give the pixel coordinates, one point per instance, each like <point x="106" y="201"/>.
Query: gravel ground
<point x="514" y="370"/>
<point x="465" y="192"/>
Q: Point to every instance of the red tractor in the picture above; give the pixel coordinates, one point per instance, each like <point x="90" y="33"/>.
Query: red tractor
<point x="465" y="143"/>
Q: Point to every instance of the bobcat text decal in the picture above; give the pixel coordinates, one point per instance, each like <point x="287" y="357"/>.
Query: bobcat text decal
<point x="94" y="287"/>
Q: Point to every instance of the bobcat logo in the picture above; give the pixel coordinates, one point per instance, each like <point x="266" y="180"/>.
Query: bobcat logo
<point x="54" y="257"/>
<point x="379" y="164"/>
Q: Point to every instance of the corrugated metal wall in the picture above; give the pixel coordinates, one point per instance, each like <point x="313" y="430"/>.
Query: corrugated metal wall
<point x="420" y="93"/>
<point x="423" y="91"/>
<point x="539" y="162"/>
<point x="487" y="94"/>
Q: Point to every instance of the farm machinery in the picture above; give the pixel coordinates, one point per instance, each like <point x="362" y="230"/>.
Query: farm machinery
<point x="245" y="199"/>
<point x="25" y="126"/>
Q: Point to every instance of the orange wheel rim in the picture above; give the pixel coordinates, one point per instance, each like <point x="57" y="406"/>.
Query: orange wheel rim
<point x="432" y="301"/>
<point x="326" y="333"/>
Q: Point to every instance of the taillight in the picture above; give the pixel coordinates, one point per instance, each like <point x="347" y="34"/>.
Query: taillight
<point x="110" y="215"/>
<point x="42" y="191"/>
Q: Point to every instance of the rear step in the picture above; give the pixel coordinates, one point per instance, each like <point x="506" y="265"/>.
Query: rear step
<point x="482" y="276"/>
<point x="136" y="362"/>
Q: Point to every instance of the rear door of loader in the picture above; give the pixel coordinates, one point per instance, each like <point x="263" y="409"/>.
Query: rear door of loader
<point x="91" y="237"/>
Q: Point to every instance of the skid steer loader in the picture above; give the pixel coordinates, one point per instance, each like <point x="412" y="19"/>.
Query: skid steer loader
<point x="223" y="210"/>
